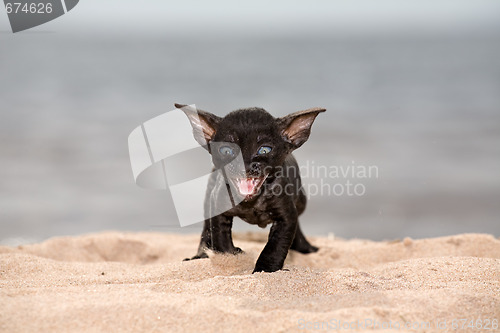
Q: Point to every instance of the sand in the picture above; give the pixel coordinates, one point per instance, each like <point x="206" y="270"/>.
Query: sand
<point x="133" y="282"/>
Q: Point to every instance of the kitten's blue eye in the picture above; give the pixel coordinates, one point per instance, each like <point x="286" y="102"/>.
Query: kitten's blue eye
<point x="264" y="150"/>
<point x="226" y="151"/>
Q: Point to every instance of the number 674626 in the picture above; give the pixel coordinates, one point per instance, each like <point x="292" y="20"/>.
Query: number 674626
<point x="32" y="8"/>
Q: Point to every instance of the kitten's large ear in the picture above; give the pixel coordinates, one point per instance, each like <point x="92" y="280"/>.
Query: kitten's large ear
<point x="296" y="127"/>
<point x="204" y="123"/>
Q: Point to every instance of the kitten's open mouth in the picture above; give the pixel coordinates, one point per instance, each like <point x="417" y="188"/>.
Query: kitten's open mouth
<point x="249" y="186"/>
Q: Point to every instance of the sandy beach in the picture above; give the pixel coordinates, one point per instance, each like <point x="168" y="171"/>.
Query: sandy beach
<point x="133" y="282"/>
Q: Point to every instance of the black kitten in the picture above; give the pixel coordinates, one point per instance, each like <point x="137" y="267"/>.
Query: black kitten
<point x="253" y="152"/>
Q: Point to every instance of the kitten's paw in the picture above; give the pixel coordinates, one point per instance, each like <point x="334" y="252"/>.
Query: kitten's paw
<point x="237" y="250"/>
<point x="266" y="268"/>
<point x="198" y="256"/>
<point x="306" y="249"/>
<point x="311" y="249"/>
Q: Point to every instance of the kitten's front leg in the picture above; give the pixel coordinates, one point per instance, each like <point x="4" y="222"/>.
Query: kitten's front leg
<point x="280" y="240"/>
<point x="205" y="242"/>
<point x="216" y="236"/>
<point x="220" y="233"/>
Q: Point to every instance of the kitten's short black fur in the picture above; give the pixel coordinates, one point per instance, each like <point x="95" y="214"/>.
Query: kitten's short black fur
<point x="265" y="182"/>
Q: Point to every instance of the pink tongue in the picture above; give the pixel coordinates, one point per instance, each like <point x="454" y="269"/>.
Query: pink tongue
<point x="246" y="186"/>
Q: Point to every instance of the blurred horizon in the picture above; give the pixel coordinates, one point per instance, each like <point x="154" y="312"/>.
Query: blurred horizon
<point x="411" y="88"/>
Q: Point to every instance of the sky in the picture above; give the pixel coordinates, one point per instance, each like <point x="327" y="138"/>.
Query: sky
<point x="278" y="16"/>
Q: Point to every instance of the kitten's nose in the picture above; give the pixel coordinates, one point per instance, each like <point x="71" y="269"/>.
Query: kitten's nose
<point x="255" y="169"/>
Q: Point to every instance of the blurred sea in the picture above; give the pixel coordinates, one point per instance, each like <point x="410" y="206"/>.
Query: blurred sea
<point x="424" y="109"/>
